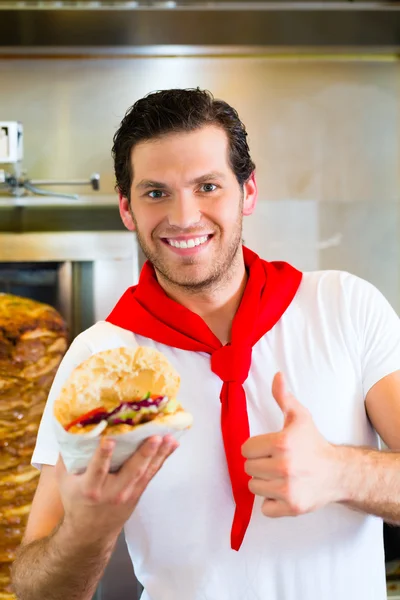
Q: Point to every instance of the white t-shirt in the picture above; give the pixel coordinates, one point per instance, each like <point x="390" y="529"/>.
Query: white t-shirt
<point x="336" y="340"/>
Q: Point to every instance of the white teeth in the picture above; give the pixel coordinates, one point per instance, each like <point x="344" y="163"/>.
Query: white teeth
<point x="188" y="243"/>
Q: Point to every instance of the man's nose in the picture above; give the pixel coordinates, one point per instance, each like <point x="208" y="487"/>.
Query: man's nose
<point x="184" y="211"/>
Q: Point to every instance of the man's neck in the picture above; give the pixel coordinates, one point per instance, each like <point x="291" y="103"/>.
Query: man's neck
<point x="217" y="307"/>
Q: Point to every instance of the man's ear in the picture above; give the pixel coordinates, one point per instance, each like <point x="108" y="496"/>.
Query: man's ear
<point x="250" y="194"/>
<point x="125" y="212"/>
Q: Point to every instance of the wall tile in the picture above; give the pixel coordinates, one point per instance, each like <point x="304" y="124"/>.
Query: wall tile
<point x="318" y="130"/>
<point x="369" y="243"/>
<point x="284" y="230"/>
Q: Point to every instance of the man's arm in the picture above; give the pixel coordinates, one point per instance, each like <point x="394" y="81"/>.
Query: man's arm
<point x="60" y="565"/>
<point x="296" y="470"/>
<point x="52" y="562"/>
<point x="370" y="479"/>
<point x="371" y="482"/>
<point x="76" y="519"/>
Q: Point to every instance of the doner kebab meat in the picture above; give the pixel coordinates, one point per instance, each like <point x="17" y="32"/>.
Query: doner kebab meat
<point x="33" y="340"/>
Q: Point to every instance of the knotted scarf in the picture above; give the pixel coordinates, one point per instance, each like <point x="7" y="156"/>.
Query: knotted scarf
<point x="146" y="310"/>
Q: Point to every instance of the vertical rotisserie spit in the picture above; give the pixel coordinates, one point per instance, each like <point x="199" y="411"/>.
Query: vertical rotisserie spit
<point x="33" y="340"/>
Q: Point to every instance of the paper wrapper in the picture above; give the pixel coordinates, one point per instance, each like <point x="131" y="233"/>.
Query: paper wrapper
<point x="77" y="449"/>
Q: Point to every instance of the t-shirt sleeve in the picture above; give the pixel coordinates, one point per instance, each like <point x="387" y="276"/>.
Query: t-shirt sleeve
<point x="378" y="331"/>
<point x="46" y="448"/>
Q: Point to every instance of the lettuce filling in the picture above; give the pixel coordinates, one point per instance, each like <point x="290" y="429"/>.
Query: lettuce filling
<point x="133" y="413"/>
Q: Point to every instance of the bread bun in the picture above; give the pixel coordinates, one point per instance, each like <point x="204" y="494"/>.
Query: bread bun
<point x="114" y="376"/>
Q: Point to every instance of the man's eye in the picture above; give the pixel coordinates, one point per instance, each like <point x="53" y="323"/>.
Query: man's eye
<point x="209" y="187"/>
<point x="156" y="194"/>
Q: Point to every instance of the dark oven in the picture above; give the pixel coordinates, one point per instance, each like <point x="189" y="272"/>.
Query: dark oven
<point x="81" y="274"/>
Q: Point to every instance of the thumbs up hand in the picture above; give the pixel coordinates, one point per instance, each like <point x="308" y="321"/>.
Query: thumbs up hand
<point x="295" y="470"/>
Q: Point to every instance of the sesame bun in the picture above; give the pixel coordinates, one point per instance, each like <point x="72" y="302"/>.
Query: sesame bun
<point x="112" y="377"/>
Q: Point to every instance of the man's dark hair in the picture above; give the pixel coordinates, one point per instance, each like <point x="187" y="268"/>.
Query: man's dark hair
<point x="175" y="111"/>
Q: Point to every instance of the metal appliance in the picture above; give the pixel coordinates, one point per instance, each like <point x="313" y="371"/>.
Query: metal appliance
<point x="173" y="24"/>
<point x="11" y="142"/>
<point x="15" y="182"/>
<point x="82" y="274"/>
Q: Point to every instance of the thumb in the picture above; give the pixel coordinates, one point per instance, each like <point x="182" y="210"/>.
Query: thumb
<point x="285" y="399"/>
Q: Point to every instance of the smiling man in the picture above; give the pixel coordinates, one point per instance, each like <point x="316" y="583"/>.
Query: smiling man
<point x="279" y="490"/>
<point x="186" y="205"/>
<point x="204" y="254"/>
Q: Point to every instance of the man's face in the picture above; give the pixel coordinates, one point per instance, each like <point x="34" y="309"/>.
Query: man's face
<point x="187" y="206"/>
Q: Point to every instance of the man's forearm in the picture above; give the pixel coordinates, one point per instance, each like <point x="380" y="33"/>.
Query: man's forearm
<point x="60" y="567"/>
<point x="370" y="481"/>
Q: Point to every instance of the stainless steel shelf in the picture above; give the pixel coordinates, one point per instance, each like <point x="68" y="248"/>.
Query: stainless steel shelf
<point x="52" y="214"/>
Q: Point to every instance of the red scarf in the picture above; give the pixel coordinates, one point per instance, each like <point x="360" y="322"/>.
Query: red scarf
<point x="146" y="310"/>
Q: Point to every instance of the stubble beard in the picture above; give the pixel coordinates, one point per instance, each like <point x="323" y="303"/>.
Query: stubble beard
<point x="218" y="274"/>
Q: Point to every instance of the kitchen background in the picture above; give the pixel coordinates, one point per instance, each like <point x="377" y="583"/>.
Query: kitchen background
<point x="323" y="130"/>
<point x="324" y="134"/>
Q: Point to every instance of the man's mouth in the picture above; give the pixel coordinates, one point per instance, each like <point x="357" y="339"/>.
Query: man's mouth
<point x="191" y="242"/>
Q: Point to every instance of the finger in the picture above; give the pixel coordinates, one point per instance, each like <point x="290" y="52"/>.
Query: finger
<point x="286" y="401"/>
<point x="275" y="509"/>
<point x="136" y="466"/>
<point x="261" y="446"/>
<point x="266" y="488"/>
<point x="169" y="445"/>
<point x="266" y="468"/>
<point x="98" y="468"/>
<point x="279" y="391"/>
<point x="135" y="489"/>
<point x="167" y="448"/>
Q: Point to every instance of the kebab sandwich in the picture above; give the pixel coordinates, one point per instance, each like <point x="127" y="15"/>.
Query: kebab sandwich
<point x="118" y="391"/>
